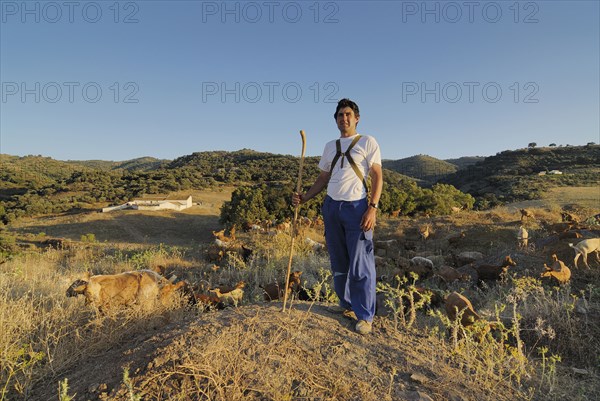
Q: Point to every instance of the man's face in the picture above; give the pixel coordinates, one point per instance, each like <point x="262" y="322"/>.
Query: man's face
<point x="346" y="120"/>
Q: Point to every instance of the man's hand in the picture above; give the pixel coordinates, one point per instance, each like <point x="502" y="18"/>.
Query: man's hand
<point x="368" y="220"/>
<point x="296" y="199"/>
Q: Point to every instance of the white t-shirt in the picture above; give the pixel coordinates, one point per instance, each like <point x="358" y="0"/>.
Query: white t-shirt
<point x="344" y="184"/>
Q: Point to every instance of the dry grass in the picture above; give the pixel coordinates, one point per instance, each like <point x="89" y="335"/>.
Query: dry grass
<point x="256" y="352"/>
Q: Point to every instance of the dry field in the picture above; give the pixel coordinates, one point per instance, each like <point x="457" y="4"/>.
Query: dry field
<point x="546" y="346"/>
<point x="185" y="228"/>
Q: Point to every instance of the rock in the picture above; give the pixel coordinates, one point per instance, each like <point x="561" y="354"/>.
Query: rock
<point x="414" y="396"/>
<point x="582" y="307"/>
<point x="437" y="260"/>
<point x="402" y="262"/>
<point x="470" y="271"/>
<point x="389" y="244"/>
<point x="381" y="309"/>
<point x="380" y="252"/>
<point x="456" y="397"/>
<point x="419" y="378"/>
<point x="469" y="257"/>
<point x="580" y="371"/>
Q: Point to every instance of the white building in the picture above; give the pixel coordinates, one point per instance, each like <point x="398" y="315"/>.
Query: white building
<point x="153" y="203"/>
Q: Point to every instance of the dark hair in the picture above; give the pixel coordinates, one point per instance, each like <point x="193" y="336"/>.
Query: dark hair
<point x="347" y="103"/>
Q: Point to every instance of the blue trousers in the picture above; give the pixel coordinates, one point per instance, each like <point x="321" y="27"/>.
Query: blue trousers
<point x="351" y="255"/>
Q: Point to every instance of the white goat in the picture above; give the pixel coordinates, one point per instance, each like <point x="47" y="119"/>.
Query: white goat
<point x="586" y="247"/>
<point x="523" y="237"/>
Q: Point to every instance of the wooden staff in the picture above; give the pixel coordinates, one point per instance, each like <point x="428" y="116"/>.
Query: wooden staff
<point x="294" y="222"/>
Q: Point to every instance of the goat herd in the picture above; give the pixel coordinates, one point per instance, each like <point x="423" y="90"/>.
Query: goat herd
<point x="148" y="288"/>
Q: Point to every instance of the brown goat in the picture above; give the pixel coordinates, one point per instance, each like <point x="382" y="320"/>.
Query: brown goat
<point x="424" y="232"/>
<point x="558" y="271"/>
<point x="450" y="274"/>
<point x="214" y="253"/>
<point x="274" y="291"/>
<point x="558" y="227"/>
<point x="569" y="235"/>
<point x="143" y="287"/>
<point x="491" y="272"/>
<point x="230" y="295"/>
<point x="566" y="217"/>
<point x="209" y="301"/>
<point x="456" y="303"/>
<point x="526" y="214"/>
<point x="457" y="238"/>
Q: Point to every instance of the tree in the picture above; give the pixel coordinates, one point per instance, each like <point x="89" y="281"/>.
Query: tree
<point x="532" y="145"/>
<point x="552" y="145"/>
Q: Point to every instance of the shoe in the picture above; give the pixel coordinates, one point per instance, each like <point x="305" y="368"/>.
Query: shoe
<point x="363" y="327"/>
<point x="349" y="313"/>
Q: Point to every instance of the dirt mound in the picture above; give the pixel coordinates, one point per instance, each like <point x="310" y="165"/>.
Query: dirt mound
<point x="259" y="353"/>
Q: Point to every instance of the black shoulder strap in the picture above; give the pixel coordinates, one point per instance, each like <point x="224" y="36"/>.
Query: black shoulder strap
<point x="350" y="160"/>
<point x="339" y="153"/>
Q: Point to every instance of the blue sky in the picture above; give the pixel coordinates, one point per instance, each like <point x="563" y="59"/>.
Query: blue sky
<point x="118" y="80"/>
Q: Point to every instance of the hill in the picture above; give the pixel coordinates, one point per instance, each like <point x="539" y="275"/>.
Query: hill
<point x="245" y="165"/>
<point x="257" y="352"/>
<point x="19" y="174"/>
<point x="140" y="163"/>
<point x="514" y="175"/>
<point x="422" y="167"/>
<point x="465" y="161"/>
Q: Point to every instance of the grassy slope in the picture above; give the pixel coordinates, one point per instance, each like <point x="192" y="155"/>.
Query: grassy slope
<point x="257" y="353"/>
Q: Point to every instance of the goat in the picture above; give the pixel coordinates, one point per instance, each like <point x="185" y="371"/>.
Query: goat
<point x="316" y="246"/>
<point x="455" y="239"/>
<point x="569" y="235"/>
<point x="456" y="303"/>
<point x="420" y="265"/>
<point x="491" y="272"/>
<point x="214" y="253"/>
<point x="526" y="214"/>
<point x="143" y="287"/>
<point x="568" y="217"/>
<point x="558" y="227"/>
<point x="424" y="232"/>
<point x="450" y="274"/>
<point x="470" y="320"/>
<point x="275" y="291"/>
<point x="467" y="257"/>
<point x="523" y="237"/>
<point x="586" y="247"/>
<point x="558" y="271"/>
<point x="232" y="232"/>
<point x="230" y="295"/>
<point x="220" y="237"/>
<point x="209" y="301"/>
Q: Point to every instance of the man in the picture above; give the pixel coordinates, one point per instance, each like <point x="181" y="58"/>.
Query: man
<point x="348" y="214"/>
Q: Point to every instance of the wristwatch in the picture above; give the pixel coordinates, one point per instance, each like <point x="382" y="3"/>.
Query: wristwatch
<point x="373" y="205"/>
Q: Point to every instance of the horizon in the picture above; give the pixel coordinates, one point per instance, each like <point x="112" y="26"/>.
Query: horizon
<point x="284" y="154"/>
<point x="120" y="80"/>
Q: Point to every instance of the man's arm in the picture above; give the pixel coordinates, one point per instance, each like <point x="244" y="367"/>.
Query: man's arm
<point x="368" y="219"/>
<point x="317" y="187"/>
<point x="376" y="174"/>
